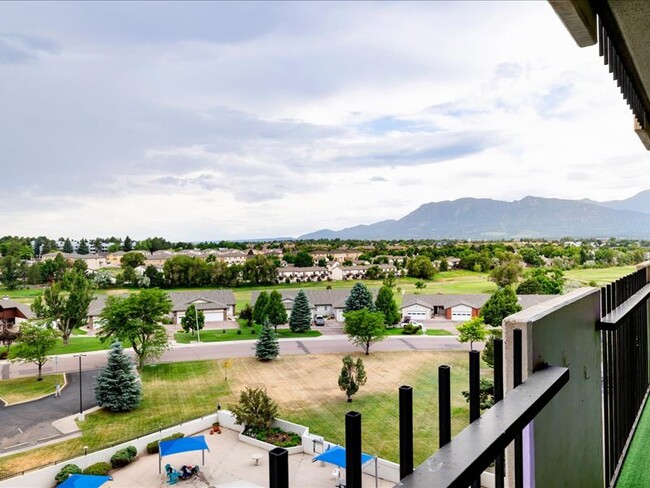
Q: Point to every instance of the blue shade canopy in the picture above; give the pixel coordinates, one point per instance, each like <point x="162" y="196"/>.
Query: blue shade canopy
<point x="183" y="444"/>
<point x="84" y="481"/>
<point x="336" y="455"/>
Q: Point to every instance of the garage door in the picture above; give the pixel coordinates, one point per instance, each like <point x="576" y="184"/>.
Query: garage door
<point x="214" y="316"/>
<point x="417" y="315"/>
<point x="461" y="313"/>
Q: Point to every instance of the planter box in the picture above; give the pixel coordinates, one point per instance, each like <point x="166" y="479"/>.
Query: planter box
<point x="301" y="430"/>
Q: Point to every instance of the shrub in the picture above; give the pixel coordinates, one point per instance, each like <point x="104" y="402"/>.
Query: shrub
<point x="66" y="471"/>
<point x="123" y="457"/>
<point x="98" y="469"/>
<point x="411" y="329"/>
<point x="152" y="447"/>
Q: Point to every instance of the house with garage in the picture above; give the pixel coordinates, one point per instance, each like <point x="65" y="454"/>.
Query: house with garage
<point x="12" y="312"/>
<point x="294" y="274"/>
<point x="455" y="307"/>
<point x="216" y="305"/>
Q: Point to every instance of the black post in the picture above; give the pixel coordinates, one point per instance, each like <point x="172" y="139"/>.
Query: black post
<point x="517" y="375"/>
<point x="405" y="431"/>
<point x="474" y="385"/>
<point x="444" y="405"/>
<point x="279" y="468"/>
<point x="81" y="408"/>
<point x="353" y="449"/>
<point x="499" y="464"/>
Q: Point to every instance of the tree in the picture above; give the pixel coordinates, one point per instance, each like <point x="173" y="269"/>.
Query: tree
<point x="255" y="409"/>
<point x="303" y="259"/>
<point x="83" y="247"/>
<point x="7" y="333"/>
<point x="353" y="375"/>
<point x="300" y="319"/>
<point x="193" y="320"/>
<point x="156" y="278"/>
<point x="420" y="267"/>
<point x="33" y="344"/>
<point x="364" y="328"/>
<point x="259" y="309"/>
<point x="267" y="346"/>
<point x="246" y="314"/>
<point x="136" y="319"/>
<point x="128" y="244"/>
<point x="472" y="331"/>
<point x="387" y="305"/>
<point x="132" y="259"/>
<point x="117" y="387"/>
<point x="275" y="311"/>
<point x="65" y="303"/>
<point x="260" y="270"/>
<point x="359" y="298"/>
<point x="502" y="303"/>
<point x="102" y="279"/>
<point x="507" y="272"/>
<point x="542" y="281"/>
<point x="488" y="350"/>
<point x="390" y="280"/>
<point x="10" y="271"/>
<point x="67" y="246"/>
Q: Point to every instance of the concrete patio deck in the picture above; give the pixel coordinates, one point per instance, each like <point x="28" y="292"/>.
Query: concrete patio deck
<point x="229" y="464"/>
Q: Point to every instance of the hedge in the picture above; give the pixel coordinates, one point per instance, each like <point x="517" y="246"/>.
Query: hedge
<point x="98" y="469"/>
<point x="66" y="471"/>
<point x="123" y="457"/>
<point x="152" y="447"/>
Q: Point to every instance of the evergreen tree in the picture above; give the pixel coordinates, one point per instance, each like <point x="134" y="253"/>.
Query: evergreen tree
<point x="502" y="303"/>
<point x="193" y="319"/>
<point x="359" y="298"/>
<point x="275" y="311"/>
<point x="259" y="309"/>
<point x="67" y="246"/>
<point x="117" y="387"/>
<point x="83" y="247"/>
<point x="128" y="244"/>
<point x="267" y="346"/>
<point x="387" y="305"/>
<point x="300" y="319"/>
<point x="353" y="375"/>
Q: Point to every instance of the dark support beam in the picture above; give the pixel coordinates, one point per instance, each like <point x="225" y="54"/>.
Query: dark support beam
<point x="499" y="462"/>
<point x="353" y="449"/>
<point x="444" y="405"/>
<point x="279" y="468"/>
<point x="405" y="431"/>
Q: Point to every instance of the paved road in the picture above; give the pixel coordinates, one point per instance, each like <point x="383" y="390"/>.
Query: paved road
<point x="32" y="421"/>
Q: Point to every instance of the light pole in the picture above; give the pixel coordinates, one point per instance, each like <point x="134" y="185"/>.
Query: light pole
<point x="81" y="408"/>
<point x="196" y="319"/>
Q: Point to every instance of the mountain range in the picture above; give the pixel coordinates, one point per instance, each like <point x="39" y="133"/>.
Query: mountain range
<point x="487" y="219"/>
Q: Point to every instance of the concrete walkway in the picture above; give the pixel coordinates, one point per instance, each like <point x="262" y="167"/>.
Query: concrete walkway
<point x="229" y="464"/>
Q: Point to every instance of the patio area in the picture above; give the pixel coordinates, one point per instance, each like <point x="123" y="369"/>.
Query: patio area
<point x="230" y="464"/>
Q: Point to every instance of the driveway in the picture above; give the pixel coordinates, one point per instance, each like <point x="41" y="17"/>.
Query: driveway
<point x="30" y="424"/>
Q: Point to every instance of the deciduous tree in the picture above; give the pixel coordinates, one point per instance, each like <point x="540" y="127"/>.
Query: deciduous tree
<point x="353" y="375"/>
<point x="502" y="303"/>
<point x="117" y="387"/>
<point x="275" y="311"/>
<point x="420" y="267"/>
<point x="474" y="330"/>
<point x="33" y="345"/>
<point x="193" y="320"/>
<point x="387" y="305"/>
<point x="255" y="409"/>
<point x="364" y="328"/>
<point x="303" y="259"/>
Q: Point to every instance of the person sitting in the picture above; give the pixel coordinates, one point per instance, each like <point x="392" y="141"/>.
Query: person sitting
<point x="186" y="471"/>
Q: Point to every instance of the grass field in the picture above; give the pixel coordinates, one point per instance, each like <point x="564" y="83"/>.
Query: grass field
<point x="24" y="389"/>
<point x="305" y="387"/>
<point x="635" y="472"/>
<point x="232" y="335"/>
<point x="601" y="276"/>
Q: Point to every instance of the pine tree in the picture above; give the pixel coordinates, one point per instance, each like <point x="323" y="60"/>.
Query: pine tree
<point x="67" y="246"/>
<point x="128" y="244"/>
<point x="83" y="247"/>
<point x="275" y="311"/>
<point x="387" y="305"/>
<point x="259" y="309"/>
<point x="267" y="346"/>
<point x="300" y="320"/>
<point x="117" y="388"/>
<point x="353" y="375"/>
<point x="359" y="298"/>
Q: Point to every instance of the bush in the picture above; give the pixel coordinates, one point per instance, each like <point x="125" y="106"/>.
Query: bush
<point x="98" y="469"/>
<point x="123" y="457"/>
<point x="411" y="329"/>
<point x="152" y="447"/>
<point x="66" y="471"/>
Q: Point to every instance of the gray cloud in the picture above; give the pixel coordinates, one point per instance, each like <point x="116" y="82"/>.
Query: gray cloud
<point x="21" y="48"/>
<point x="378" y="178"/>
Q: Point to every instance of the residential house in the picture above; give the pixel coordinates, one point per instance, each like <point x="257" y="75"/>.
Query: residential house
<point x="216" y="305"/>
<point x="93" y="261"/>
<point x="12" y="312"/>
<point x="294" y="274"/>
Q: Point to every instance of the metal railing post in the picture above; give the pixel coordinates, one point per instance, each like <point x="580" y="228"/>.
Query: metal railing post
<point x="353" y="449"/>
<point x="279" y="468"/>
<point x="499" y="464"/>
<point x="444" y="405"/>
<point x="405" y="431"/>
<point x="517" y="377"/>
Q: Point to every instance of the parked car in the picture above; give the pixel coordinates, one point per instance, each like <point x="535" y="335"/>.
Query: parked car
<point x="319" y="320"/>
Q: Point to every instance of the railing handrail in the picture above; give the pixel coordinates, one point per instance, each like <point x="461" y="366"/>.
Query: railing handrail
<point x="472" y="451"/>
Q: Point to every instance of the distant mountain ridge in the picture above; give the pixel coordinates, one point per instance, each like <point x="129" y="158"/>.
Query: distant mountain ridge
<point x="484" y="218"/>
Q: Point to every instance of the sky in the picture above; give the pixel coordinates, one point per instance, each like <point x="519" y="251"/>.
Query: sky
<point x="209" y="121"/>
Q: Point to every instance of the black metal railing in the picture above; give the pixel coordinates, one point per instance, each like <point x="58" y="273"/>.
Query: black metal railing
<point x="624" y="345"/>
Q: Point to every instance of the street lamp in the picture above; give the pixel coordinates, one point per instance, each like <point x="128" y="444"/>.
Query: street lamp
<point x="196" y="319"/>
<point x="81" y="408"/>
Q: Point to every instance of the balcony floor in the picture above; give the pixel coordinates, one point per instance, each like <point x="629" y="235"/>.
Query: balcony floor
<point x="636" y="471"/>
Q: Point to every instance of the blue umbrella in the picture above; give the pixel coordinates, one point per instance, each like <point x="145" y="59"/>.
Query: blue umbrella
<point x="84" y="481"/>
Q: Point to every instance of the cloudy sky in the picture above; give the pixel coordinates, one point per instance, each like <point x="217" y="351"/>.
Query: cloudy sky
<point x="203" y="121"/>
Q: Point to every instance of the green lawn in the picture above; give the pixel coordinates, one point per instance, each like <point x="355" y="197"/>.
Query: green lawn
<point x="635" y="472"/>
<point x="438" y="332"/>
<point x="232" y="335"/>
<point x="305" y="387"/>
<point x="601" y="276"/>
<point x="24" y="389"/>
<point x="80" y="344"/>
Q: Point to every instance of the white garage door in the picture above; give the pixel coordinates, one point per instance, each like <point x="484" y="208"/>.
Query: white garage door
<point x="461" y="312"/>
<point x="417" y="315"/>
<point x="214" y="316"/>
